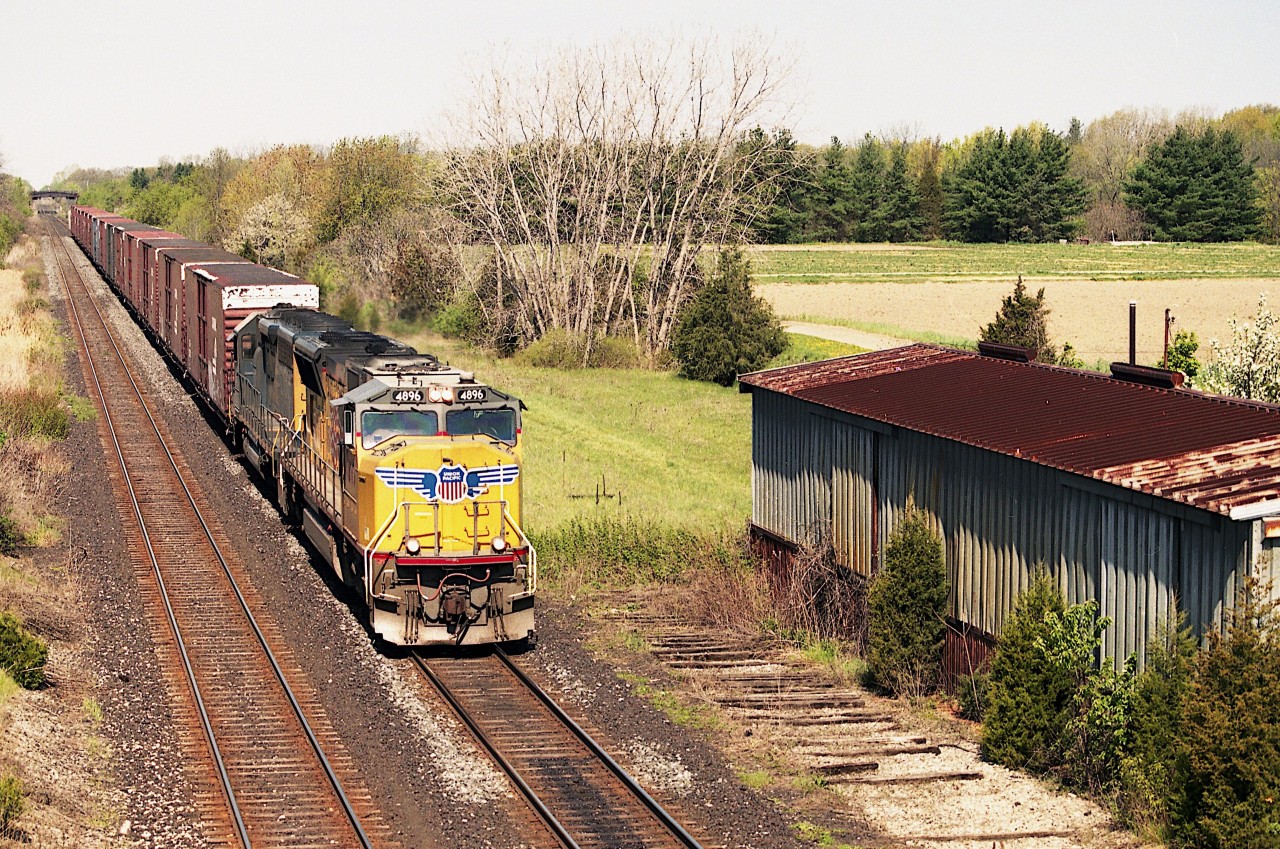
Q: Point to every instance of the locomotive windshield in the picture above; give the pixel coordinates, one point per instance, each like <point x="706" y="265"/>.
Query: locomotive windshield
<point x="500" y="424"/>
<point x="377" y="426"/>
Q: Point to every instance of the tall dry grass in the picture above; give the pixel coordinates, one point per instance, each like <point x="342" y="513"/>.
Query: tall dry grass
<point x="33" y="409"/>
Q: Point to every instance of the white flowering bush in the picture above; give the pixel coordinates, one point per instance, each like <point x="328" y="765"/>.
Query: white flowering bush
<point x="1248" y="366"/>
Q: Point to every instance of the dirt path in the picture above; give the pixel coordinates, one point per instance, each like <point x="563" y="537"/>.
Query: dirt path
<point x="836" y="333"/>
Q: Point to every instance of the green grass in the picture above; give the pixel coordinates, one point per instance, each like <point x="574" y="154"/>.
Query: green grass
<point x="655" y="446"/>
<point x="8" y="687"/>
<point x="695" y="716"/>
<point x="757" y="779"/>
<point x="808" y="349"/>
<point x="839" y="661"/>
<point x="955" y="261"/>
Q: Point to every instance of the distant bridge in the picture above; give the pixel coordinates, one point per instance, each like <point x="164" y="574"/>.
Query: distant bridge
<point x="50" y="202"/>
<point x="54" y="194"/>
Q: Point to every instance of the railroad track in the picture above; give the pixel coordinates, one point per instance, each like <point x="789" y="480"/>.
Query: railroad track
<point x="574" y="787"/>
<point x="256" y="744"/>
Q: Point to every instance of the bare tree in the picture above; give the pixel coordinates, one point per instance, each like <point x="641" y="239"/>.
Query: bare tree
<point x="596" y="178"/>
<point x="1113" y="144"/>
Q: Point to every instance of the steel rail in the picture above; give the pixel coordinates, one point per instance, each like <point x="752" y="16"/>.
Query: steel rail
<point x="660" y="813"/>
<point x="224" y="779"/>
<point x="347" y="807"/>
<point x="531" y="796"/>
<point x="595" y="749"/>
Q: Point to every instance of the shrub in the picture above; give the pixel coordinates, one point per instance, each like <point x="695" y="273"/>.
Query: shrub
<point x="905" y="608"/>
<point x="33" y="278"/>
<point x="11" y="801"/>
<point x="21" y="654"/>
<point x="1153" y="772"/>
<point x="34" y="412"/>
<point x="1231" y="729"/>
<point x="725" y="330"/>
<point x="971" y="695"/>
<point x="556" y="349"/>
<point x="11" y="535"/>
<point x="1029" y="698"/>
<point x="1094" y="738"/>
<point x="462" y="319"/>
<point x="615" y="352"/>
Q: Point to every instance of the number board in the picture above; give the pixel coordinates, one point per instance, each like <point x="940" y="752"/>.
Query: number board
<point x="407" y="396"/>
<point x="472" y="395"/>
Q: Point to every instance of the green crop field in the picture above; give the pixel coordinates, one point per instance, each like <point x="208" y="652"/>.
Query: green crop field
<point x="948" y="261"/>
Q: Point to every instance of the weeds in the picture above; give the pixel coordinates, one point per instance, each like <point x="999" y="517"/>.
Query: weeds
<point x="33" y="412"/>
<point x="697" y="717"/>
<point x="821" y="599"/>
<point x="809" y="783"/>
<point x="11" y="801"/>
<point x="607" y="551"/>
<point x="92" y="710"/>
<point x="757" y="779"/>
<point x="837" y="659"/>
<point x="11" y="535"/>
<point x="21" y="654"/>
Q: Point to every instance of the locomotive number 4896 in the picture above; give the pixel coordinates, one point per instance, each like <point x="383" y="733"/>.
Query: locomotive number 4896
<point x="407" y="396"/>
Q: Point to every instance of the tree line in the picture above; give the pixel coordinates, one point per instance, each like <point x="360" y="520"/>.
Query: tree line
<point x="1130" y="175"/>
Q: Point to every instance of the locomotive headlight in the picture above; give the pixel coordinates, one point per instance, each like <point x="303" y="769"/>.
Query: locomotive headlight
<point x="440" y="394"/>
<point x="499" y="544"/>
<point x="412" y="546"/>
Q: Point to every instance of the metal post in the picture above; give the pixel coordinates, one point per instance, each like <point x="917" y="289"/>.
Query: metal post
<point x="1133" y="333"/>
<point x="1168" y="320"/>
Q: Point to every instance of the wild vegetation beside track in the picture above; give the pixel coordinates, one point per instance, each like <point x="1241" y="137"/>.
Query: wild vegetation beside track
<point x="53" y="759"/>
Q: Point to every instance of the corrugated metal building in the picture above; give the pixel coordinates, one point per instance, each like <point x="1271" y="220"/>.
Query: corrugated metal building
<point x="1130" y="494"/>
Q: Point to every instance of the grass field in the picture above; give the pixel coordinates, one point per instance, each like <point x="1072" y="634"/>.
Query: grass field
<point x="664" y="448"/>
<point x="947" y="261"/>
<point x="947" y="292"/>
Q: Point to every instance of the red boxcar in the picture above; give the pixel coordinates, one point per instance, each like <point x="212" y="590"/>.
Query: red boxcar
<point x="219" y="297"/>
<point x="173" y="263"/>
<point x="190" y="294"/>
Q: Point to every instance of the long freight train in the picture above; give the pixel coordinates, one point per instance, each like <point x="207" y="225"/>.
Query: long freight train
<point x="404" y="473"/>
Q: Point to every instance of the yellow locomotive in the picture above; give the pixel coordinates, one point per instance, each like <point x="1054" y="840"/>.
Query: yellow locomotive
<point x="402" y="471"/>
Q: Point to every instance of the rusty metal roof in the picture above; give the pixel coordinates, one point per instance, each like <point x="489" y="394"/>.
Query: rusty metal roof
<point x="1207" y="451"/>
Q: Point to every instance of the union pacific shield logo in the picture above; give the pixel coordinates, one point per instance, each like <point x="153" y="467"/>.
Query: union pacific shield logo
<point x="450" y="483"/>
<point x="453" y="484"/>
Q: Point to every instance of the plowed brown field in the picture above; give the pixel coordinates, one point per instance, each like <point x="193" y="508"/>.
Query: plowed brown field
<point x="1092" y="315"/>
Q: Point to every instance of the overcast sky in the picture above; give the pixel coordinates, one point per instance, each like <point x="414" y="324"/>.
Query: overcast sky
<point x="113" y="82"/>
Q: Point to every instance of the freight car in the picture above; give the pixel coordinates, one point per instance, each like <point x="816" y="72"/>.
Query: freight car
<point x="402" y="472"/>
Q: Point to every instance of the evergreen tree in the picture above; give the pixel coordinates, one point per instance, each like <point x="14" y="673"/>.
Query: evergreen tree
<point x="1231" y="732"/>
<point x="900" y="206"/>
<point x="929" y="186"/>
<point x="1030" y="700"/>
<point x="725" y="330"/>
<point x="868" y="191"/>
<point x="831" y="217"/>
<point x="1012" y="188"/>
<point x="905" y="608"/>
<point x="1196" y="187"/>
<point x="781" y="180"/>
<point x="1023" y="321"/>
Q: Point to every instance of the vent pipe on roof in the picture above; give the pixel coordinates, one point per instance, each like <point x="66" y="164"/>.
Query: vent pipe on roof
<point x="1133" y="333"/>
<point x="1007" y="352"/>
<point x="1147" y="375"/>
